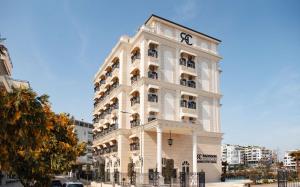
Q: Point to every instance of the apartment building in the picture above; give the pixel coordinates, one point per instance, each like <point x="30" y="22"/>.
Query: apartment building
<point x="157" y="99"/>
<point x="247" y="155"/>
<point x="232" y="154"/>
<point x="84" y="132"/>
<point x="288" y="161"/>
<point x="6" y="67"/>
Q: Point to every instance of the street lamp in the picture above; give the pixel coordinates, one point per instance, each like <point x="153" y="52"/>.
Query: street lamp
<point x="170" y="140"/>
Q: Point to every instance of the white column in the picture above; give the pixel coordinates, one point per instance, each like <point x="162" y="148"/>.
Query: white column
<point x="159" y="149"/>
<point x="194" y="134"/>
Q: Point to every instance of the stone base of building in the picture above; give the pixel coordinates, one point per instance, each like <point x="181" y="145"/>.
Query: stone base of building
<point x="238" y="183"/>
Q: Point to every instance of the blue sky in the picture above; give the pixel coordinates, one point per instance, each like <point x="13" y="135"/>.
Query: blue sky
<point x="59" y="45"/>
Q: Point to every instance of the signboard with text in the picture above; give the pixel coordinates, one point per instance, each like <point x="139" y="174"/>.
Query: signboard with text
<point x="205" y="158"/>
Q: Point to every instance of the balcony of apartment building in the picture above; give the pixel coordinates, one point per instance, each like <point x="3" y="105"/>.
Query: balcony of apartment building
<point x="96" y="87"/>
<point x="188" y="106"/>
<point x="152" y="116"/>
<point x="135" y="100"/>
<point x="115" y="66"/>
<point x="115" y="82"/>
<point x="153" y="72"/>
<point x="153" y="53"/>
<point x="108" y="74"/>
<point x="134" y="144"/>
<point x="135" y="76"/>
<point x="153" y="98"/>
<point x="135" y="58"/>
<point x="96" y="119"/>
<point x="114" y="105"/>
<point x="135" y="120"/>
<point x="107" y="90"/>
<point x="190" y="120"/>
<point x="187" y="64"/>
<point x="96" y="102"/>
<point x="102" y="80"/>
<point x="188" y="80"/>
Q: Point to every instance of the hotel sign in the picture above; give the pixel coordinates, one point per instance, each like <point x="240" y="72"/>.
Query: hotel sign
<point x="204" y="158"/>
<point x="186" y="38"/>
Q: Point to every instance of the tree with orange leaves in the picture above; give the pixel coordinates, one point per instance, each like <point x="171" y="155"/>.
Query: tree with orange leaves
<point x="35" y="143"/>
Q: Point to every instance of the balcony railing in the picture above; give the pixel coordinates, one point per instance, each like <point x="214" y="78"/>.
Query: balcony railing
<point x="134" y="146"/>
<point x="151" y="118"/>
<point x="152" y="98"/>
<point x="188" y="83"/>
<point x="115" y="66"/>
<point x="108" y="74"/>
<point x="152" y="75"/>
<point x="135" y="100"/>
<point x="134" y="79"/>
<point x="188" y="63"/>
<point x="135" y="57"/>
<point x="135" y="123"/>
<point x="191" y="83"/>
<point x="152" y="53"/>
<point x="188" y="104"/>
<point x="115" y="84"/>
<point x="96" y="89"/>
<point x="102" y="82"/>
<point x="115" y="106"/>
<point x="114" y="148"/>
<point x="191" y="64"/>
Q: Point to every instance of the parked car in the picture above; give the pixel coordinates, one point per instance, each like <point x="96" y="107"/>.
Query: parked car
<point x="73" y="184"/>
<point x="56" y="183"/>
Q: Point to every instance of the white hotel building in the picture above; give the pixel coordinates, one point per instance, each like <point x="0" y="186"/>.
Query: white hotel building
<point x="163" y="83"/>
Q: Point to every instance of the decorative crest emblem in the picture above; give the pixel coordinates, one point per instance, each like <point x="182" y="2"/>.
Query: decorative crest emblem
<point x="186" y="37"/>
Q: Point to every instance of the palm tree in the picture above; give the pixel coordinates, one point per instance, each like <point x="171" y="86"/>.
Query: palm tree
<point x="296" y="155"/>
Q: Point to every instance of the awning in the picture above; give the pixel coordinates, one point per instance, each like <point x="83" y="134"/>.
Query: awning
<point x="153" y="86"/>
<point x="189" y="94"/>
<point x="182" y="71"/>
<point x="187" y="52"/>
<point x="134" y="90"/>
<point x="189" y="115"/>
<point x="153" y="109"/>
<point x="133" y="136"/>
<point x="153" y="42"/>
<point x="112" y="141"/>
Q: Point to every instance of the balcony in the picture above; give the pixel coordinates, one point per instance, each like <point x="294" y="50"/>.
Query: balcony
<point x="115" y="73"/>
<point x="152" y="53"/>
<point x="134" y="146"/>
<point x="115" y="66"/>
<point x="115" y="85"/>
<point x="135" y="123"/>
<point x="151" y="118"/>
<point x="134" y="79"/>
<point x="152" y="97"/>
<point x="114" y="148"/>
<point x="108" y="79"/>
<point x="188" y="107"/>
<point x="135" y="100"/>
<point x="135" y="57"/>
<point x="152" y="75"/>
<point x="187" y="67"/>
<point x="96" y="88"/>
<point x="113" y="127"/>
<point x="188" y="83"/>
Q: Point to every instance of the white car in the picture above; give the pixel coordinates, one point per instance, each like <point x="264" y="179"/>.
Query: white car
<point x="73" y="184"/>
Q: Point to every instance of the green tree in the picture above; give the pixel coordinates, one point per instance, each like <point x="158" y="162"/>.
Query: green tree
<point x="35" y="143"/>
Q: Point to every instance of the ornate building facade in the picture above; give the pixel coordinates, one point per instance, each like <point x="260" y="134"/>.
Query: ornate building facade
<point x="157" y="101"/>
